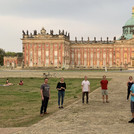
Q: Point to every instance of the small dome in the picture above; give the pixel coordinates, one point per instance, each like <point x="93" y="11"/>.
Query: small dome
<point x="130" y="22"/>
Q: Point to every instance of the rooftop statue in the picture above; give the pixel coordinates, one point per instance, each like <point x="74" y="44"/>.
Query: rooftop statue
<point x="51" y="32"/>
<point x="62" y="32"/>
<point x="59" y="32"/>
<point x="27" y="32"/>
<point x="35" y="32"/>
<point x="23" y="32"/>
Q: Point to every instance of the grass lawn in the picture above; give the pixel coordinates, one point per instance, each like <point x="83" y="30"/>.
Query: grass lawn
<point x="20" y="105"/>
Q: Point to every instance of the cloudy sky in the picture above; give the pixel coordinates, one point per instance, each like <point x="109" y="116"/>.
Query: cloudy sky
<point x="81" y="18"/>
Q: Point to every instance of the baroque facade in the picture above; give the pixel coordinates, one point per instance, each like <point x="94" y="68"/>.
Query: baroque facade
<point x="51" y="50"/>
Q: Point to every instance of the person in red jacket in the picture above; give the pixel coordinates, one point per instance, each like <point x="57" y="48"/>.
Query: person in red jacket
<point x="104" y="84"/>
<point x="21" y="82"/>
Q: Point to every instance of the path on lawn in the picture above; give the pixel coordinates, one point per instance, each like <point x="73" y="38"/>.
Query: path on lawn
<point x="92" y="118"/>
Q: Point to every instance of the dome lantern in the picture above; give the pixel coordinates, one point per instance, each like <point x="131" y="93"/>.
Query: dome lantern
<point x="133" y="12"/>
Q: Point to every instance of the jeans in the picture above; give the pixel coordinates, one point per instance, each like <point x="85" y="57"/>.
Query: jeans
<point x="61" y="95"/>
<point x="44" y="105"/>
<point x="83" y="95"/>
<point x="128" y="93"/>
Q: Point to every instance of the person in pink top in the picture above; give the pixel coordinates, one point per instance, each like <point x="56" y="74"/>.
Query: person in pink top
<point x="7" y="83"/>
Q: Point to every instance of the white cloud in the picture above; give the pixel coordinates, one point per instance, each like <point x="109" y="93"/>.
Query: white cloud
<point x="93" y="18"/>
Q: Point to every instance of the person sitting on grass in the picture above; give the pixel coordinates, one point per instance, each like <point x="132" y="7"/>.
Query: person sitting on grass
<point x="104" y="83"/>
<point x="21" y="82"/>
<point x="132" y="103"/>
<point x="7" y="83"/>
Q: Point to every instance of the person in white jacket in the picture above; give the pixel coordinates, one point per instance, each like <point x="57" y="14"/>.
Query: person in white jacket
<point x="85" y="85"/>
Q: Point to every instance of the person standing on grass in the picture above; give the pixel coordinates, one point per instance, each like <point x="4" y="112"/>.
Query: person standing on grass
<point x="45" y="96"/>
<point x="132" y="103"/>
<point x="85" y="85"/>
<point x="129" y="84"/>
<point x="104" y="84"/>
<point x="61" y="87"/>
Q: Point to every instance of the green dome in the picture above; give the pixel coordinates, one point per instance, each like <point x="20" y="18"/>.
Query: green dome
<point x="128" y="28"/>
<point x="130" y="22"/>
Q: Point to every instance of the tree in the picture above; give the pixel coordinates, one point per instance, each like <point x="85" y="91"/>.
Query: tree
<point x="8" y="54"/>
<point x="2" y="54"/>
<point x="12" y="54"/>
<point x="19" y="54"/>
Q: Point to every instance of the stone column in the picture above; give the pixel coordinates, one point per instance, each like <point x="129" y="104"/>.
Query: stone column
<point x="58" y="54"/>
<point x="33" y="53"/>
<point x="45" y="54"/>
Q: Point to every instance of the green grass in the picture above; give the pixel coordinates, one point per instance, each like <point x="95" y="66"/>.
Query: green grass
<point x="20" y="105"/>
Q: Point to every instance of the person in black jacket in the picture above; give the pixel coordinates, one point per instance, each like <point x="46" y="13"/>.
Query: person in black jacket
<point x="61" y="87"/>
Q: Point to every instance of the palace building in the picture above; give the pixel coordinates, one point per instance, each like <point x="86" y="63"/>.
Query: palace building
<point x="13" y="62"/>
<point x="49" y="50"/>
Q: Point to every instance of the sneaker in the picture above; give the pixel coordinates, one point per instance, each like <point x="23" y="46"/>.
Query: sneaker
<point x="131" y="121"/>
<point x="59" y="107"/>
<point x="41" y="115"/>
<point x="107" y="101"/>
<point x="45" y="113"/>
<point x="62" y="107"/>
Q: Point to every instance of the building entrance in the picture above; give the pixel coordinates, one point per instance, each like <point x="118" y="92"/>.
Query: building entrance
<point x="133" y="63"/>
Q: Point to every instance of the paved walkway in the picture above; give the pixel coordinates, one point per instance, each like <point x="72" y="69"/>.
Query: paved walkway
<point x="94" y="118"/>
<point x="10" y="130"/>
